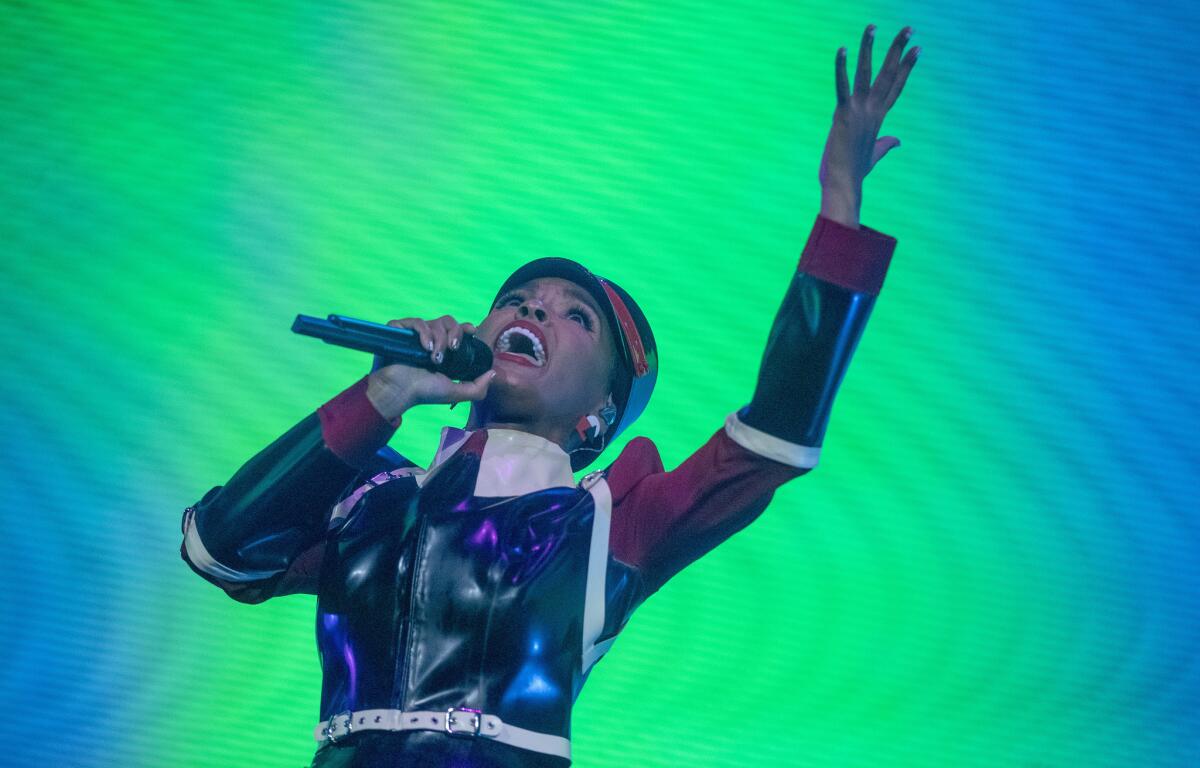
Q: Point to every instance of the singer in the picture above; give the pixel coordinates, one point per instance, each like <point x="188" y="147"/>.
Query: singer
<point x="461" y="606"/>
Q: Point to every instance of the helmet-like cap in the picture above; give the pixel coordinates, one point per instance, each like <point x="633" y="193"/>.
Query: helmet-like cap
<point x="637" y="354"/>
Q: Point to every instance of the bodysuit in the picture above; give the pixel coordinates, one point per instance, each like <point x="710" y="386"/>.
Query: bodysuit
<point x="461" y="606"/>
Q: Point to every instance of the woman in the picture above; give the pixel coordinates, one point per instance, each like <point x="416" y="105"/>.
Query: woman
<point x="461" y="606"/>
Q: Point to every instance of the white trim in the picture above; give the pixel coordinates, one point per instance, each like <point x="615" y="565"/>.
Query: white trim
<point x="597" y="651"/>
<point x="515" y="463"/>
<point x="769" y="446"/>
<point x="595" y="595"/>
<point x="343" y="507"/>
<point x="490" y="727"/>
<point x="451" y="440"/>
<point x="199" y="556"/>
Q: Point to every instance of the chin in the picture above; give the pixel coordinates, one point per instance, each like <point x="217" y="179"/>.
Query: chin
<point x="511" y="396"/>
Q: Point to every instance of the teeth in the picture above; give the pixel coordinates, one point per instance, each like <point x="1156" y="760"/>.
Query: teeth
<point x="504" y="343"/>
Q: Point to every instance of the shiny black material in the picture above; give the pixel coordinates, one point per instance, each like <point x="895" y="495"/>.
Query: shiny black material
<point x="432" y="598"/>
<point x="811" y="343"/>
<point x="275" y="507"/>
<point x="428" y="598"/>
<point x="390" y="345"/>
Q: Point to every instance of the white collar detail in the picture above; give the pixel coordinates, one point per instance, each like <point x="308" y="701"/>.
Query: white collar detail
<point x="513" y="463"/>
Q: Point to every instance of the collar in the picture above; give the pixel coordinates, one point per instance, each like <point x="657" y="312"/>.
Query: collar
<point x="513" y="463"/>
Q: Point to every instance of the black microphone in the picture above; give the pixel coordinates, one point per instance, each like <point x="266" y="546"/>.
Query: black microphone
<point x="397" y="345"/>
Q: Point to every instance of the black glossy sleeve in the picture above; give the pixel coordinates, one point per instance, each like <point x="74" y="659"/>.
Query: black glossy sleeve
<point x="816" y="330"/>
<point x="810" y="345"/>
<point x="275" y="508"/>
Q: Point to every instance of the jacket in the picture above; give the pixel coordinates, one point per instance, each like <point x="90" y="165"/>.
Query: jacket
<point x="476" y="595"/>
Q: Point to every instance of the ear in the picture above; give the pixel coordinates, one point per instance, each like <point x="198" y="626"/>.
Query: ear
<point x="593" y="425"/>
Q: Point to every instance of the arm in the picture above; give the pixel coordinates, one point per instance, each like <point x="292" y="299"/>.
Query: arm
<point x="262" y="534"/>
<point x="841" y="270"/>
<point x="662" y="521"/>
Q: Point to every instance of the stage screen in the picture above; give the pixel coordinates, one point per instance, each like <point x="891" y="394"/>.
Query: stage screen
<point x="995" y="563"/>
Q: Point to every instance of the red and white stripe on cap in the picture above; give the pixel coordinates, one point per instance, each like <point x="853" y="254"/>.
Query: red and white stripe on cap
<point x="633" y="339"/>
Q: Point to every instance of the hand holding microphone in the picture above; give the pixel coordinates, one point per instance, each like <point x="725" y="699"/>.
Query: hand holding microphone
<point x="443" y="347"/>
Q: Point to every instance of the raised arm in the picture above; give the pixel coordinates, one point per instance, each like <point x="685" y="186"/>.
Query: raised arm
<point x="841" y="271"/>
<point x="664" y="520"/>
<point x="854" y="145"/>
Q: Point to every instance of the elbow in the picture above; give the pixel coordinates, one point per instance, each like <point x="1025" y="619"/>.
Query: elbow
<point x="765" y="440"/>
<point x="243" y="592"/>
<point x="221" y="565"/>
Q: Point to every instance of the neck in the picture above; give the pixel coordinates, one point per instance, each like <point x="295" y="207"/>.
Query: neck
<point x="483" y="418"/>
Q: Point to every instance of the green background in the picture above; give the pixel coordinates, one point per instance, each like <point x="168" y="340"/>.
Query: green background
<point x="995" y="563"/>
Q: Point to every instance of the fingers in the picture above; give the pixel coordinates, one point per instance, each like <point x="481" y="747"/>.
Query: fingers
<point x="441" y="330"/>
<point x="456" y="331"/>
<point x="906" y="66"/>
<point x="887" y="72"/>
<point x="862" y="76"/>
<point x="438" y="335"/>
<point x="839" y="75"/>
<point x="470" y="390"/>
<point x="424" y="332"/>
<point x="892" y="75"/>
<point x="883" y="145"/>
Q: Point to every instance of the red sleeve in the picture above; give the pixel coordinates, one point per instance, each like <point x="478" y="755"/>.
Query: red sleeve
<point x="351" y="427"/>
<point x="662" y="521"/>
<point x="853" y="258"/>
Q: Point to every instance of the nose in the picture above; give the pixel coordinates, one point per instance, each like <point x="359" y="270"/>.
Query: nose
<point x="532" y="307"/>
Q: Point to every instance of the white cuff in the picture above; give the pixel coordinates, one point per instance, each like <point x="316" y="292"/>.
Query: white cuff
<point x="757" y="441"/>
<point x="198" y="554"/>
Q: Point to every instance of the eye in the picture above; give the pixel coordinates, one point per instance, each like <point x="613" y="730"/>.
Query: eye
<point x="509" y="300"/>
<point x="581" y="316"/>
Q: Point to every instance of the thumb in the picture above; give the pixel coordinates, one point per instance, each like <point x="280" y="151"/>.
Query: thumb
<point x="883" y="145"/>
<point x="472" y="390"/>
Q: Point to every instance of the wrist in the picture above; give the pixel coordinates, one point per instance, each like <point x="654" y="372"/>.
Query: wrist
<point x="388" y="398"/>
<point x="842" y="203"/>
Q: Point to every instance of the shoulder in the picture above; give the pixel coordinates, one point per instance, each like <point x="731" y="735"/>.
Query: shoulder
<point x="638" y="459"/>
<point x="384" y="459"/>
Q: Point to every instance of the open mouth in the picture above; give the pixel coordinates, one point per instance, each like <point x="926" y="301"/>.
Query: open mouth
<point x="523" y="343"/>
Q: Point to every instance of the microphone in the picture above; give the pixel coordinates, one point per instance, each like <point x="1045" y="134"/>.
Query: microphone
<point x="397" y="345"/>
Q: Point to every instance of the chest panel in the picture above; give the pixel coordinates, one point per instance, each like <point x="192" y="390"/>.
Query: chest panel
<point x="432" y="597"/>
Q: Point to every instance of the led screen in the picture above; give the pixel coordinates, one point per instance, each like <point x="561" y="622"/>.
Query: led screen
<point x="995" y="563"/>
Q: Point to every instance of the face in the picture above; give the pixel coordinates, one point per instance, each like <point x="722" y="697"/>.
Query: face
<point x="554" y="356"/>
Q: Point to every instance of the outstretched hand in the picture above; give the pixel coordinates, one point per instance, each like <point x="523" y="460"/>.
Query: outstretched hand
<point x="853" y="149"/>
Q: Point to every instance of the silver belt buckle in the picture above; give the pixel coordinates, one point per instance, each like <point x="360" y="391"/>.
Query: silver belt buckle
<point x="477" y="721"/>
<point x="332" y="727"/>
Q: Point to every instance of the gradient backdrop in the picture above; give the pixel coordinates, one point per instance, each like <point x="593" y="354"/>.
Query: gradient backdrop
<point x="997" y="562"/>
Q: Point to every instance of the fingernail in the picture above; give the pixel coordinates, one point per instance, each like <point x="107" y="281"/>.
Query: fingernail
<point x="870" y="29"/>
<point x="429" y="345"/>
<point x="454" y="344"/>
<point x="916" y="53"/>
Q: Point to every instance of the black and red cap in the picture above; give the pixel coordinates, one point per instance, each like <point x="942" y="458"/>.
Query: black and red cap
<point x="636" y="350"/>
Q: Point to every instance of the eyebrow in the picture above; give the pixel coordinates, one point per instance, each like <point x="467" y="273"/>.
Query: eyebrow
<point x="579" y="294"/>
